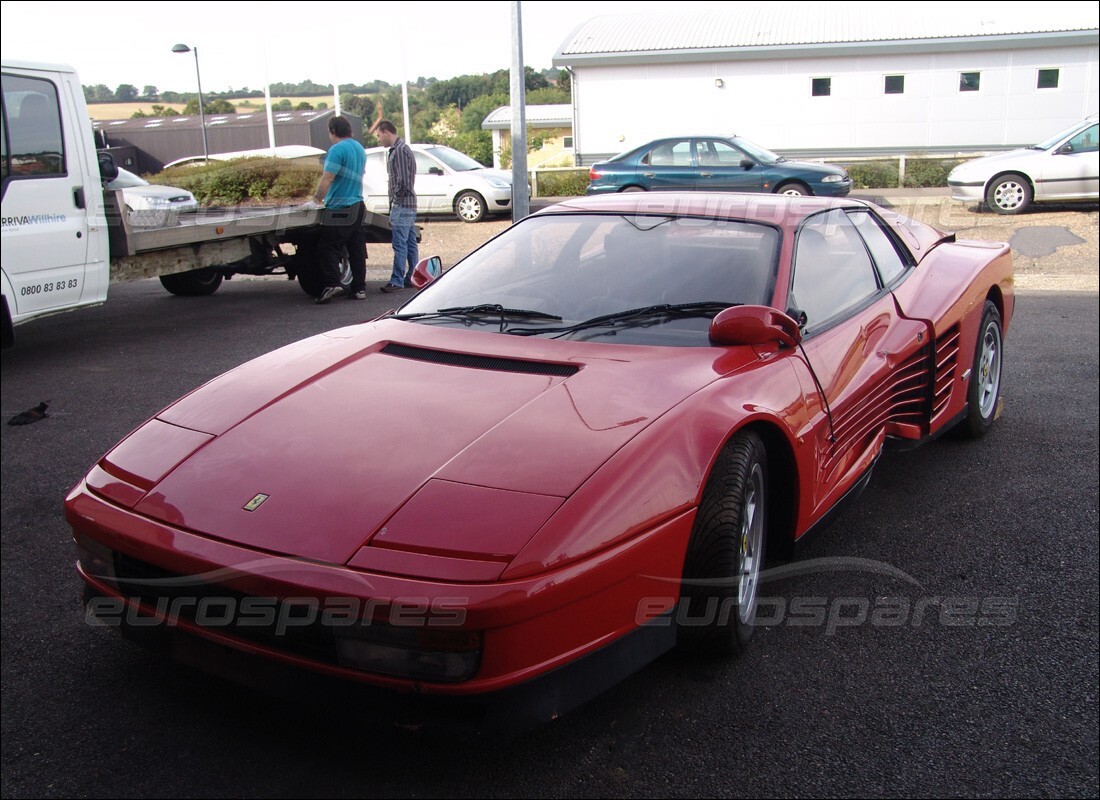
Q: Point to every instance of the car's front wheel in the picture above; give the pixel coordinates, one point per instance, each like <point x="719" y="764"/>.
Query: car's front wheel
<point x="793" y="188"/>
<point x="725" y="554"/>
<point x="470" y="207"/>
<point x="984" y="390"/>
<point x="1009" y="194"/>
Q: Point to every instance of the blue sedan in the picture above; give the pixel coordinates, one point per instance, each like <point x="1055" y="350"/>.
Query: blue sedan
<point x="714" y="164"/>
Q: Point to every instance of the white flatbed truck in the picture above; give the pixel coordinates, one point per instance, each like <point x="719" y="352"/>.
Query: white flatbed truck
<point x="65" y="239"/>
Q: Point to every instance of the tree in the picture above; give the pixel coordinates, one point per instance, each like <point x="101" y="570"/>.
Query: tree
<point x="126" y="93"/>
<point x="304" y="106"/>
<point x="218" y="106"/>
<point x="150" y="93"/>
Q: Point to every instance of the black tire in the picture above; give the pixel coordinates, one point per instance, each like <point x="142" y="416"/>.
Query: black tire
<point x="196" y="283"/>
<point x="794" y="188"/>
<point x="1009" y="194"/>
<point x="983" y="391"/>
<point x="470" y="207"/>
<point x="626" y="189"/>
<point x="312" y="283"/>
<point x="726" y="552"/>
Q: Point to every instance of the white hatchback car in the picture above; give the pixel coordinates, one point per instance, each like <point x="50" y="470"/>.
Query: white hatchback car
<point x="1064" y="167"/>
<point x="447" y="182"/>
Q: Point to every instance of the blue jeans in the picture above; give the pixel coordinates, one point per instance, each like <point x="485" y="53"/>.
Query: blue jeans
<point x="406" y="252"/>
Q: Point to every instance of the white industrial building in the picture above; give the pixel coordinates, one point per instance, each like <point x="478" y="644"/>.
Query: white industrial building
<point x="834" y="78"/>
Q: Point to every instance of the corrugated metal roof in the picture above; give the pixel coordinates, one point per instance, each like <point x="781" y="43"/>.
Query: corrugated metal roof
<point x="822" y="23"/>
<point x="212" y="120"/>
<point x="552" y="115"/>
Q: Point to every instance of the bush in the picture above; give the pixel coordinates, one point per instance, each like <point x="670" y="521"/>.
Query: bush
<point x="874" y="175"/>
<point x="233" y="182"/>
<point x="928" y="172"/>
<point x="563" y="184"/>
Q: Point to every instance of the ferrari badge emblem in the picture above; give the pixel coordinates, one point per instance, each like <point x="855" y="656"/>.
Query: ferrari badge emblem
<point x="256" y="502"/>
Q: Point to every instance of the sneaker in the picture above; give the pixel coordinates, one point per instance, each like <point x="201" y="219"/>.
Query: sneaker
<point x="327" y="294"/>
<point x="360" y="295"/>
<point x="389" y="287"/>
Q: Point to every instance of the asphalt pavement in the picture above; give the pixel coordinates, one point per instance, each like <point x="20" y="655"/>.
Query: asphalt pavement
<point x="940" y="639"/>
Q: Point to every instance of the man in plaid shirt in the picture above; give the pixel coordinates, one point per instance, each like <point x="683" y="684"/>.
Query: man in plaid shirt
<point x="401" y="167"/>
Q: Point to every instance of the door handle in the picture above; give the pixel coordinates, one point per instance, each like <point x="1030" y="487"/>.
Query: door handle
<point x="78" y="196"/>
<point x="649" y="174"/>
<point x="706" y="174"/>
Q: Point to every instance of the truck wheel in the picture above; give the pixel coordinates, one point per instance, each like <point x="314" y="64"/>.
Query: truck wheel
<point x="312" y="282"/>
<point x="196" y="283"/>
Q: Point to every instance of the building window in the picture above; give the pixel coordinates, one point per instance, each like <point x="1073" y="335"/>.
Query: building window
<point x="894" y="84"/>
<point x="970" y="81"/>
<point x="1048" y="79"/>
<point x="567" y="142"/>
<point x="821" y="87"/>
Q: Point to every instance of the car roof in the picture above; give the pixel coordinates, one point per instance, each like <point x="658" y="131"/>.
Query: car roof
<point x="776" y="209"/>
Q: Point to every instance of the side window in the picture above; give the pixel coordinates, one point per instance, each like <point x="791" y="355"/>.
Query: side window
<point x="884" y="252"/>
<point x="1087" y="141"/>
<point x="425" y="165"/>
<point x="670" y="154"/>
<point x="33" y="128"/>
<point x="718" y="154"/>
<point x="832" y="270"/>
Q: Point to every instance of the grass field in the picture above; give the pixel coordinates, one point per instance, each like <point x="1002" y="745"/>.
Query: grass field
<point x="105" y="111"/>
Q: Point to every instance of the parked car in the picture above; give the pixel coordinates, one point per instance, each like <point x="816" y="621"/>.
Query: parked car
<point x="618" y="408"/>
<point x="447" y="182"/>
<point x="1064" y="167"/>
<point x="714" y="163"/>
<point x="151" y="204"/>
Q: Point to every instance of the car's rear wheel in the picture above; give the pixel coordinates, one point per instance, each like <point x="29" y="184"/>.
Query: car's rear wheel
<point x="726" y="552"/>
<point x="626" y="189"/>
<point x="1009" y="194"/>
<point x="196" y="283"/>
<point x="470" y="207"/>
<point x="983" y="393"/>
<point x="793" y="188"/>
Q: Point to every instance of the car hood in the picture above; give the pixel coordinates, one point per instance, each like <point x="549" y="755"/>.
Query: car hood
<point x="804" y="167"/>
<point x="489" y="172"/>
<point x="986" y="165"/>
<point x="339" y="432"/>
<point x="166" y="192"/>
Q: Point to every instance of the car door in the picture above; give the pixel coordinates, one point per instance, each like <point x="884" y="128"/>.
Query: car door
<point x="46" y="226"/>
<point x="376" y="183"/>
<point x="1073" y="168"/>
<point x="434" y="184"/>
<point x="668" y="166"/>
<point x="867" y="366"/>
<point x="725" y="168"/>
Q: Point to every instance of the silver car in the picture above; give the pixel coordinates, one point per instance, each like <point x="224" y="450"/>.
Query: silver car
<point x="1064" y="167"/>
<point x="447" y="181"/>
<point x="141" y="196"/>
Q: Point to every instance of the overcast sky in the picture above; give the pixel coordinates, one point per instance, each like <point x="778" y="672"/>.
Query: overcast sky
<point x="245" y="43"/>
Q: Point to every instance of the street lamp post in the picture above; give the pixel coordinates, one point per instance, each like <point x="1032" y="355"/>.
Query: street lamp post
<point x="182" y="48"/>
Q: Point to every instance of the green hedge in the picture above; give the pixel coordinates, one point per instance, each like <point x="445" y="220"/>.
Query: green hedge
<point x="874" y="174"/>
<point x="563" y="184"/>
<point x="233" y="182"/>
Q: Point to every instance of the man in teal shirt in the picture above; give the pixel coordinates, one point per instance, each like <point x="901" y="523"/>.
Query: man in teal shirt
<point x="341" y="190"/>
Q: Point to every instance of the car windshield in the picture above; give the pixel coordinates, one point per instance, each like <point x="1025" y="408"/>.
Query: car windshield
<point x="548" y="273"/>
<point x="459" y="162"/>
<point x="126" y="180"/>
<point x="1046" y="144"/>
<point x="761" y="154"/>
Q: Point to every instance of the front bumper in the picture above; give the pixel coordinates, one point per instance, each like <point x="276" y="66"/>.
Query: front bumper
<point x="526" y="630"/>
<point x="969" y="191"/>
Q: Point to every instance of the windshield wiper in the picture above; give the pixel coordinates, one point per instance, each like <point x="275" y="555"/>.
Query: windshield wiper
<point x="482" y="309"/>
<point x="635" y="317"/>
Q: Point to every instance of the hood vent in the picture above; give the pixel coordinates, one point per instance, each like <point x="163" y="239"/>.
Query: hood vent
<point x="480" y="362"/>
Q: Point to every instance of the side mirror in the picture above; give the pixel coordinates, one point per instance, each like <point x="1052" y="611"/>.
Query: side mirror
<point x="108" y="169"/>
<point x="427" y="271"/>
<point x="742" y="325"/>
<point x="747" y="163"/>
<point x="435" y="171"/>
<point x="1064" y="149"/>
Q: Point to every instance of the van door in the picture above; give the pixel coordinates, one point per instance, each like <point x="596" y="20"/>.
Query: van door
<point x="45" y="215"/>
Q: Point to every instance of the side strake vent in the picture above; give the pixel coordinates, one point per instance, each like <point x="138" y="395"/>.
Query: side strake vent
<point x="947" y="361"/>
<point x="480" y="362"/>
